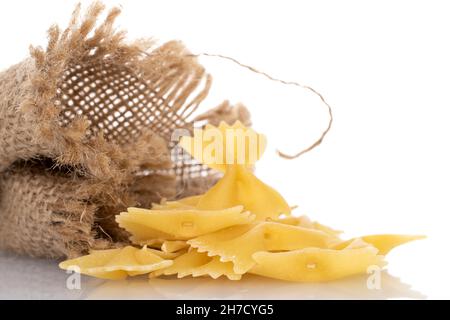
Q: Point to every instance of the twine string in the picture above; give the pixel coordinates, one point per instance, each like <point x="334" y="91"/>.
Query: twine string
<point x="284" y="82"/>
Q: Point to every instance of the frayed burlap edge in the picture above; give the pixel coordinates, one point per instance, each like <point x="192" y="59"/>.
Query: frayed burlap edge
<point x="61" y="215"/>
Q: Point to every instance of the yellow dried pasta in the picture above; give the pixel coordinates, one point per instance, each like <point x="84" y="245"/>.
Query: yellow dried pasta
<point x="196" y="264"/>
<point x="165" y="246"/>
<point x="218" y="146"/>
<point x="173" y="246"/>
<point x="238" y="244"/>
<point x="316" y="264"/>
<point x="239" y="186"/>
<point x="185" y="203"/>
<point x="383" y="242"/>
<point x="178" y="224"/>
<point x="117" y="264"/>
<point x="304" y="221"/>
<point x="240" y="225"/>
<point x="152" y="243"/>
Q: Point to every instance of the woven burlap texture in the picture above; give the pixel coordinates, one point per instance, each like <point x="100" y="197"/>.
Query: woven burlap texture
<point x="86" y="130"/>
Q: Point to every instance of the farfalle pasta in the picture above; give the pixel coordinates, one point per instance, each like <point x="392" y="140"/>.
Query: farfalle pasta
<point x="117" y="264"/>
<point x="240" y="186"/>
<point x="180" y="223"/>
<point x="220" y="146"/>
<point x="383" y="242"/>
<point x="304" y="221"/>
<point x="240" y="225"/>
<point x="185" y="203"/>
<point x="173" y="246"/>
<point x="165" y="246"/>
<point x="196" y="264"/>
<point x="239" y="243"/>
<point x="316" y="264"/>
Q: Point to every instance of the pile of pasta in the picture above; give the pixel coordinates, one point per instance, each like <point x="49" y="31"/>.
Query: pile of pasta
<point x="240" y="225"/>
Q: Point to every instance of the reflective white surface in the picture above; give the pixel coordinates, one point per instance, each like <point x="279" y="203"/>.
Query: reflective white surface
<point x="27" y="278"/>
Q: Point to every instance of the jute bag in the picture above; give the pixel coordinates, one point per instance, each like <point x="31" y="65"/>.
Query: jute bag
<point x="86" y="130"/>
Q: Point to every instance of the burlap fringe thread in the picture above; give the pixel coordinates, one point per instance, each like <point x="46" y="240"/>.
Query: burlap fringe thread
<point x="85" y="131"/>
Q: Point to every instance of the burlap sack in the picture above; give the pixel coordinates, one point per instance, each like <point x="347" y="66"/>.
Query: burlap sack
<point x="85" y="130"/>
<point x="89" y="94"/>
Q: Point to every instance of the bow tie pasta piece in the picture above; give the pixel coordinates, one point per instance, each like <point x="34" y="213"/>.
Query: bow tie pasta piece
<point x="142" y="234"/>
<point x="179" y="224"/>
<point x="383" y="242"/>
<point x="302" y="221"/>
<point x="316" y="264"/>
<point x="279" y="237"/>
<point x="164" y="254"/>
<point x="235" y="244"/>
<point x="165" y="246"/>
<point x="240" y="187"/>
<point x="117" y="264"/>
<point x="218" y="146"/>
<point x="238" y="244"/>
<point x="173" y="246"/>
<point x="198" y="264"/>
<point x="185" y="203"/>
<point x="152" y="243"/>
<point x="305" y="222"/>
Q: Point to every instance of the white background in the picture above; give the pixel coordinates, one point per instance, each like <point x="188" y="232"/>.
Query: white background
<point x="384" y="168"/>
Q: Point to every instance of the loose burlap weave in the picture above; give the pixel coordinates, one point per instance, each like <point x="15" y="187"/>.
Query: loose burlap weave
<point x="86" y="130"/>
